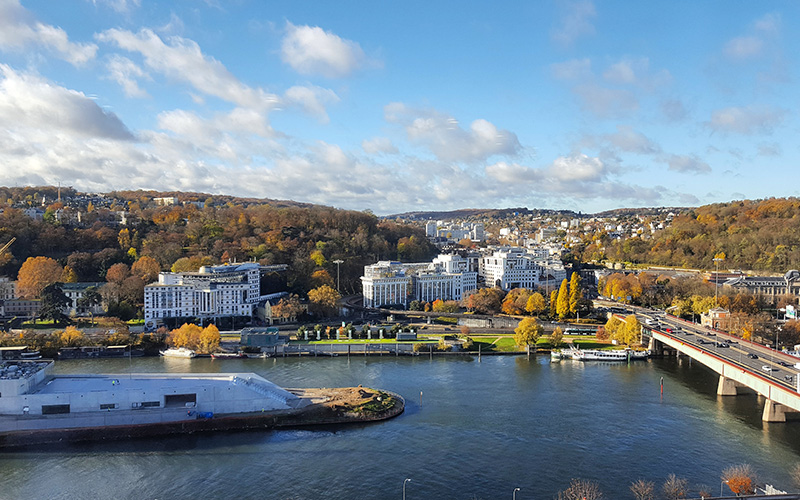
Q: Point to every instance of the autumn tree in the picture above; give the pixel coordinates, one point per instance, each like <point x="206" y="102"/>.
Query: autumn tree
<point x="69" y="275"/>
<point x="580" y="489"/>
<point x="321" y="277"/>
<point x="643" y="490"/>
<point x="288" y="307"/>
<point x="323" y="300"/>
<point x="147" y="268"/>
<point x="741" y="479"/>
<point x="557" y="337"/>
<point x="117" y="273"/>
<point x="536" y="304"/>
<point x="209" y="340"/>
<point x="71" y="337"/>
<point x="562" y="300"/>
<point x="37" y="273"/>
<point x="575" y="293"/>
<point x="516" y="301"/>
<point x="445" y="306"/>
<point x="674" y="488"/>
<point x="202" y="340"/>
<point x="553" y="303"/>
<point x="527" y="332"/>
<point x="485" y="301"/>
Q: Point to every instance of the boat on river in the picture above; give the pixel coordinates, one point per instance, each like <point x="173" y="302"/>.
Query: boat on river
<point x="607" y="355"/>
<point x="227" y="355"/>
<point x="178" y="352"/>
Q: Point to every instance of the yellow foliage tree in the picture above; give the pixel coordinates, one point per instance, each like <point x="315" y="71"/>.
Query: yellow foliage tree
<point x="209" y="340"/>
<point x="36" y="274"/>
<point x="323" y="299"/>
<point x="71" y="337"/>
<point x="527" y="332"/>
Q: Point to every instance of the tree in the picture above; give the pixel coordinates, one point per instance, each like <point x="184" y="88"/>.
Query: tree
<point x="146" y="268"/>
<point x="575" y="293"/>
<point x="91" y="297"/>
<point x="117" y="273"/>
<point x="741" y="479"/>
<point x="203" y="340"/>
<point x="53" y="302"/>
<point x="556" y="337"/>
<point x="71" y="337"/>
<point x="323" y="300"/>
<point x="536" y="304"/>
<point x="209" y="339"/>
<point x="69" y="275"/>
<point x="562" y="300"/>
<point x="643" y="490"/>
<point x="553" y="303"/>
<point x="527" y="332"/>
<point x="288" y="307"/>
<point x="674" y="487"/>
<point x="322" y="277"/>
<point x="36" y="274"/>
<point x="485" y="301"/>
<point x="580" y="489"/>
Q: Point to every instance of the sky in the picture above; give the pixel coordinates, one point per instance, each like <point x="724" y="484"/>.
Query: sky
<point x="405" y="106"/>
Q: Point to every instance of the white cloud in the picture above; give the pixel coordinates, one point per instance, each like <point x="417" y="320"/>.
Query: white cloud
<point x="575" y="69"/>
<point x="19" y="30"/>
<point x="310" y="50"/>
<point x="769" y="24"/>
<point x="312" y="99"/>
<point x="769" y="149"/>
<point x="576" y="22"/>
<point x="636" y="72"/>
<point x="686" y="164"/>
<point x="378" y="145"/>
<point x="604" y="102"/>
<point x="446" y="139"/>
<point x="629" y="140"/>
<point x="30" y="102"/>
<point x="744" y="47"/>
<point x="748" y="120"/>
<point x="182" y="60"/>
<point x="121" y="6"/>
<point x="578" y="167"/>
<point x="126" y="72"/>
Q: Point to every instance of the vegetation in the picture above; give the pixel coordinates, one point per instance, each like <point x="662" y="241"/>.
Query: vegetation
<point x="674" y="487"/>
<point x="643" y="490"/>
<point x="741" y="479"/>
<point x="580" y="489"/>
<point x="201" y="340"/>
<point x="527" y="332"/>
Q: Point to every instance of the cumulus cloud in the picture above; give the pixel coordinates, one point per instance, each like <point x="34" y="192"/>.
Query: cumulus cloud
<point x="746" y="120"/>
<point x="126" y="73"/>
<point x="575" y="69"/>
<point x="753" y="45"/>
<point x="19" y="30"/>
<point x="310" y="50"/>
<point x="576" y="22"/>
<point x="378" y="145"/>
<point x="445" y="138"/>
<point x="744" y="47"/>
<point x="28" y="101"/>
<point x="181" y="60"/>
<point x="119" y="5"/>
<point x="312" y="99"/>
<point x="636" y="72"/>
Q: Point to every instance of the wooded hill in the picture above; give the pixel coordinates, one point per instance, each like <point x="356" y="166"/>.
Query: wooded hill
<point x="306" y="237"/>
<point x="753" y="234"/>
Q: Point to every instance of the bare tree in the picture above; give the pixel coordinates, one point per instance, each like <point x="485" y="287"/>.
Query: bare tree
<point x="643" y="490"/>
<point x="581" y="489"/>
<point x="741" y="479"/>
<point x="704" y="491"/>
<point x="674" y="487"/>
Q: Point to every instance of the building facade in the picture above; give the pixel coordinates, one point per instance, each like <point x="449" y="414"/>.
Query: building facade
<point x="770" y="288"/>
<point x="212" y="292"/>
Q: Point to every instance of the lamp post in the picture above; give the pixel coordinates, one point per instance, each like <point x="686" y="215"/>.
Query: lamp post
<point x="408" y="479"/>
<point x="514" y="495"/>
<point x="337" y="262"/>
<point x="717" y="260"/>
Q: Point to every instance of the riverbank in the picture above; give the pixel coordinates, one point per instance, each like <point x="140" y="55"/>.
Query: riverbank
<point x="327" y="406"/>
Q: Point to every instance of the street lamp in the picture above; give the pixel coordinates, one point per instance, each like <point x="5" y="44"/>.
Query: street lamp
<point x="337" y="262"/>
<point x="514" y="495"/>
<point x="404" y="487"/>
<point x="717" y="260"/>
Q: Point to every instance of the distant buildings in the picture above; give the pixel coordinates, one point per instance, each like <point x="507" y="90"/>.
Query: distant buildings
<point x="449" y="232"/>
<point x="452" y="277"/>
<point x="771" y="288"/>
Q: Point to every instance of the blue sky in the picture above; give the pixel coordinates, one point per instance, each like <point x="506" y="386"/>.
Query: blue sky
<point x="400" y="106"/>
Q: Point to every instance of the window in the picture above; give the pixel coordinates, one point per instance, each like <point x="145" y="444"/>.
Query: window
<point x="108" y="406"/>
<point x="54" y="409"/>
<point x="150" y="404"/>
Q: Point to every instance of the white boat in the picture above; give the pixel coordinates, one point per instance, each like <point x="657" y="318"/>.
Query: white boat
<point x="178" y="352"/>
<point x="610" y="355"/>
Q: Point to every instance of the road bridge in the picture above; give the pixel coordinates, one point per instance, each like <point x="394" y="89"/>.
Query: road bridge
<point x="772" y="374"/>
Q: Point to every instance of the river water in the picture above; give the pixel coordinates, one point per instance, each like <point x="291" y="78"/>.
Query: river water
<point x="470" y="430"/>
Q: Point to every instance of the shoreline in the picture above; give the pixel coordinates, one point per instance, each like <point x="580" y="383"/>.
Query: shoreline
<point x="329" y="406"/>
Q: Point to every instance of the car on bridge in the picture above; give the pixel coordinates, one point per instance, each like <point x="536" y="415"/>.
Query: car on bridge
<point x="768" y="368"/>
<point x="720" y="344"/>
<point x="752" y="356"/>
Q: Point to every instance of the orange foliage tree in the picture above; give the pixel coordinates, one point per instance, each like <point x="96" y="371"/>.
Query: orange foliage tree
<point x="36" y="274"/>
<point x="146" y="268"/>
<point x="202" y="340"/>
<point x="741" y="479"/>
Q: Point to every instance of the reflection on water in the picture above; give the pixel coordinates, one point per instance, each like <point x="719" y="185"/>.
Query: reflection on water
<point x="483" y="429"/>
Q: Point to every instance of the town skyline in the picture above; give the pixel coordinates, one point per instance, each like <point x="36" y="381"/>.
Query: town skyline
<point x="571" y="105"/>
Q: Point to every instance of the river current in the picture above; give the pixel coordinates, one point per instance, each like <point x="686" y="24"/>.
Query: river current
<point x="470" y="430"/>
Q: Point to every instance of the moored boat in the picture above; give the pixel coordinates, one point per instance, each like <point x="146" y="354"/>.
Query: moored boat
<point x="227" y="355"/>
<point x="178" y="352"/>
<point x="609" y="355"/>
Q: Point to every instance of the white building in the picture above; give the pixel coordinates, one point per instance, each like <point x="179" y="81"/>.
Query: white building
<point x="166" y="201"/>
<point x="75" y="292"/>
<point x="516" y="267"/>
<point x="8" y="289"/>
<point x="213" y="292"/>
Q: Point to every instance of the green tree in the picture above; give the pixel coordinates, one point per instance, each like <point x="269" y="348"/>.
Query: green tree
<point x="53" y="302"/>
<point x="527" y="332"/>
<point x="575" y="293"/>
<point x="90" y="298"/>
<point x="562" y="300"/>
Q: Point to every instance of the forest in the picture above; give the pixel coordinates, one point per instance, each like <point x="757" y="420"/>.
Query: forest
<point x="201" y="229"/>
<point x="759" y="235"/>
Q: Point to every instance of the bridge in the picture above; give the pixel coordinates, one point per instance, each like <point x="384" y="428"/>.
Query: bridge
<point x="772" y="374"/>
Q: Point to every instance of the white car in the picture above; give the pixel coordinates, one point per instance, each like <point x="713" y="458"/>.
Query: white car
<point x="767" y="368"/>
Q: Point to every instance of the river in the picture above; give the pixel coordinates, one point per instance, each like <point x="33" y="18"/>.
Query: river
<point x="470" y="430"/>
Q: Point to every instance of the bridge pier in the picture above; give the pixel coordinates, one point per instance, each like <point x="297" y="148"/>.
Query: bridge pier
<point x="726" y="387"/>
<point x="773" y="412"/>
